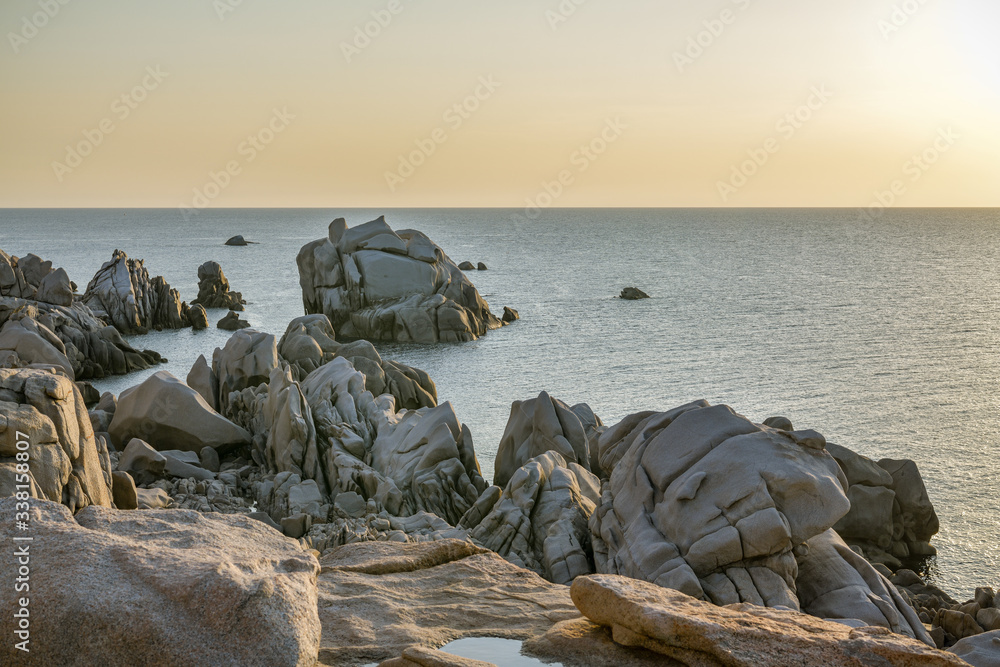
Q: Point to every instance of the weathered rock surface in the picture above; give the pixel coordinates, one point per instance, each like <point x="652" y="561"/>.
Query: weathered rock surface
<point x="377" y="599"/>
<point x="982" y="650"/>
<point x="545" y="424"/>
<point x="168" y="414"/>
<point x="418" y="656"/>
<point x="693" y="632"/>
<point x="123" y="294"/>
<point x="213" y="289"/>
<point x="170" y="587"/>
<point x="198" y="317"/>
<point x="66" y="463"/>
<point x="541" y="520"/>
<point x="378" y="284"/>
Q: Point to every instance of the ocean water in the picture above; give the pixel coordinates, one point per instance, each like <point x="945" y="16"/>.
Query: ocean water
<point x="882" y="334"/>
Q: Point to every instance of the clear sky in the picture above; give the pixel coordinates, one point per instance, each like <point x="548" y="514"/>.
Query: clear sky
<point x="572" y="103"/>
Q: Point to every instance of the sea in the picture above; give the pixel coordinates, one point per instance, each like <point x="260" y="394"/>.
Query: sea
<point x="879" y="331"/>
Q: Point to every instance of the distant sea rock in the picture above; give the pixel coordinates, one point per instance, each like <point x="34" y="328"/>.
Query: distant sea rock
<point x="122" y="293"/>
<point x="633" y="294"/>
<point x="375" y="283"/>
<point x="232" y="322"/>
<point x="213" y="289"/>
<point x="237" y="240"/>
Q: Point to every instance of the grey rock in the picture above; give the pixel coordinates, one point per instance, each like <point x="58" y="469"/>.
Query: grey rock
<point x="209" y="458"/>
<point x="232" y="322"/>
<point x="237" y="240"/>
<point x="633" y="294"/>
<point x="123" y="491"/>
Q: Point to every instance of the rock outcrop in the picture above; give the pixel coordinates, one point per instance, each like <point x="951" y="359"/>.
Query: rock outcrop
<point x="633" y="294"/>
<point x="692" y="632"/>
<point x="161" y="587"/>
<point x="704" y="501"/>
<point x="123" y="294"/>
<point x="379" y="598"/>
<point x="213" y="289"/>
<point x="47" y="443"/>
<point x="375" y="283"/>
<point x="237" y="240"/>
<point x="545" y="424"/>
<point x="45" y="325"/>
<point x="232" y="322"/>
<point x="541" y="520"/>
<point x="168" y="414"/>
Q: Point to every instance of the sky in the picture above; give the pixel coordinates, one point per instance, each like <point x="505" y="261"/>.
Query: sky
<point x="465" y="103"/>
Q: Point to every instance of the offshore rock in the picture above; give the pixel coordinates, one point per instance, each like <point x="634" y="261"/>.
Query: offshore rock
<point x="122" y="293"/>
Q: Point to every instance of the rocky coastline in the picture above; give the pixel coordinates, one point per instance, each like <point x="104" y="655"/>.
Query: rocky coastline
<point x="300" y="499"/>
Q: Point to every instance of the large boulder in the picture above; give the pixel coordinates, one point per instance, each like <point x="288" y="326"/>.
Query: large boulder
<point x="123" y="294"/>
<point x="704" y="501"/>
<point x="545" y="424"/>
<point x="160" y="587"/>
<point x="213" y="289"/>
<point x="379" y="598"/>
<point x="168" y="414"/>
<point x="43" y="419"/>
<point x="378" y="284"/>
<point x="35" y="345"/>
<point x="692" y="632"/>
<point x="246" y="360"/>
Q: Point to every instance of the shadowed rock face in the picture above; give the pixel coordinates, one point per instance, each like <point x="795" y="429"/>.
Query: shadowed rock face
<point x="213" y="289"/>
<point x="123" y="294"/>
<point x="67" y="464"/>
<point x="162" y="587"/>
<point x="378" y="284"/>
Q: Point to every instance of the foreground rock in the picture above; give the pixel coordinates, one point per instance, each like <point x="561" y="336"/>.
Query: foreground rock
<point x="692" y="632"/>
<point x="213" y="289"/>
<point x="123" y="294"/>
<point x="377" y="599"/>
<point x="377" y="284"/>
<point x="169" y="587"/>
<point x="66" y="463"/>
<point x="981" y="650"/>
<point x="168" y="414"/>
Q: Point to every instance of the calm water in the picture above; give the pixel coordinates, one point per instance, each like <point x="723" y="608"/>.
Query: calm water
<point x="880" y="335"/>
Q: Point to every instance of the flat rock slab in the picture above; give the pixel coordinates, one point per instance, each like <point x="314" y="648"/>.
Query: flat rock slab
<point x="159" y="587"/>
<point x="377" y="599"/>
<point x="698" y="633"/>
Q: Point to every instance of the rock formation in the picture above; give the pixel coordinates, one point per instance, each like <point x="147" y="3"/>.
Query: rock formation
<point x="232" y="322"/>
<point x="691" y="632"/>
<point x="168" y="414"/>
<point x="540" y="521"/>
<point x="213" y="289"/>
<point x="633" y="294"/>
<point x="237" y="240"/>
<point x="47" y="443"/>
<point x="43" y="324"/>
<point x="375" y="283"/>
<point x="161" y="587"/>
<point x="704" y="501"/>
<point x="123" y="294"/>
<point x="545" y="424"/>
